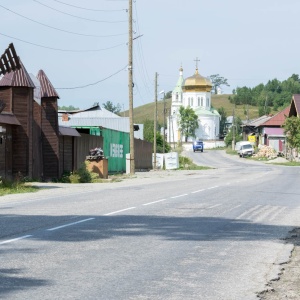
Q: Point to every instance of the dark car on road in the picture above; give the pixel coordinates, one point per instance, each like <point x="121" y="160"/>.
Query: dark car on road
<point x="198" y="146"/>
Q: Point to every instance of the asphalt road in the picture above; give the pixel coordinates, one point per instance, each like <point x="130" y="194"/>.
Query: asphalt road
<point x="214" y="234"/>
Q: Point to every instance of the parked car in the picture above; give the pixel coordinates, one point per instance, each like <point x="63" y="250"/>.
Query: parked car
<point x="246" y="150"/>
<point x="198" y="146"/>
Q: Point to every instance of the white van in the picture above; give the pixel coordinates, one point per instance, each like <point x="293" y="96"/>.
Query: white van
<point x="246" y="150"/>
<point x="241" y="143"/>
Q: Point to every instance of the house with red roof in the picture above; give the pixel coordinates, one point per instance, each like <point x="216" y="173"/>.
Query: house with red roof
<point x="272" y="133"/>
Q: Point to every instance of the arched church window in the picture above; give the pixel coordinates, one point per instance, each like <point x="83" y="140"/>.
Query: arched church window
<point x="176" y="96"/>
<point x="192" y="101"/>
<point x="198" y="101"/>
<point x="207" y="102"/>
<point x="189" y="102"/>
<point x="201" y="101"/>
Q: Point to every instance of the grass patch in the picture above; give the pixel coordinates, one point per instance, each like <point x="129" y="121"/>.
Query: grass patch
<point x="15" y="187"/>
<point x="186" y="163"/>
<point x="289" y="164"/>
<point x="230" y="151"/>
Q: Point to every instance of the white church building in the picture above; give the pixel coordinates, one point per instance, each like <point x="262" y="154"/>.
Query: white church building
<point x="194" y="92"/>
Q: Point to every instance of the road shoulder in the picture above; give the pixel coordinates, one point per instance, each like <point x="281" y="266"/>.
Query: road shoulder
<point x="287" y="285"/>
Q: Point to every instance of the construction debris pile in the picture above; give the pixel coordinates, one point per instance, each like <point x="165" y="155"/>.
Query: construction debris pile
<point x="266" y="151"/>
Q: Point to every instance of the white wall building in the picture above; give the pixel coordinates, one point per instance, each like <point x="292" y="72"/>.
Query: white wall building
<point x="195" y="92"/>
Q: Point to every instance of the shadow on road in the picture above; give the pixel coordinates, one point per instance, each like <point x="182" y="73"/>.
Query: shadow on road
<point x="190" y="229"/>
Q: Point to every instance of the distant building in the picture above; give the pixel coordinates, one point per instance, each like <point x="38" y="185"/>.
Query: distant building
<point x="194" y="92"/>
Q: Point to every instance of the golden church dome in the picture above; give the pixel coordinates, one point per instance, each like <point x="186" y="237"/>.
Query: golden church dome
<point x="197" y="83"/>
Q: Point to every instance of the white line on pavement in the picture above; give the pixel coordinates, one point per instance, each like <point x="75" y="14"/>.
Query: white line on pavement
<point x="115" y="212"/>
<point x="198" y="191"/>
<point x="70" y="224"/>
<point x="154" y="202"/>
<point x="179" y="196"/>
<point x="213" y="187"/>
<point x="16" y="239"/>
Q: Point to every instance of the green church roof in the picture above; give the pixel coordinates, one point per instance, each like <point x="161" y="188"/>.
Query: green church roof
<point x="178" y="88"/>
<point x="200" y="111"/>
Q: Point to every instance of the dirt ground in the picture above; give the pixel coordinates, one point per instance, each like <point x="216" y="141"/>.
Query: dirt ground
<point x="288" y="286"/>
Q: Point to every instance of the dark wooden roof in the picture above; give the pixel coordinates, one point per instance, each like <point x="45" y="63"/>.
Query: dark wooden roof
<point x="295" y="106"/>
<point x="278" y="119"/>
<point x="68" y="131"/>
<point x="47" y="89"/>
<point x="18" y="78"/>
<point x="9" y="119"/>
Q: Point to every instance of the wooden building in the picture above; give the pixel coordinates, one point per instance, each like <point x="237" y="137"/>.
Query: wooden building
<point x="16" y="94"/>
<point x="30" y="137"/>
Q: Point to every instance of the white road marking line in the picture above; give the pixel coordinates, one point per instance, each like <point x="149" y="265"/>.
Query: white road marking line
<point x="232" y="208"/>
<point x="265" y="212"/>
<point x="154" y="202"/>
<point x="214" y="206"/>
<point x="115" y="212"/>
<point x="70" y="224"/>
<point x="198" y="191"/>
<point x="213" y="187"/>
<point x="16" y="239"/>
<point x="277" y="213"/>
<point x="179" y="196"/>
<point x="248" y="212"/>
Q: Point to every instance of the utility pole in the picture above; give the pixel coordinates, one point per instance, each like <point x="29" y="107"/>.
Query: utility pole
<point x="164" y="118"/>
<point x="155" y="122"/>
<point x="130" y="86"/>
<point x="164" y="123"/>
<point x="169" y="129"/>
<point x="233" y="131"/>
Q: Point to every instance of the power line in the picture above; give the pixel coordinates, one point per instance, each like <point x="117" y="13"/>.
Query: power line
<point x="63" y="50"/>
<point x="78" y="17"/>
<point x="91" y="9"/>
<point x="138" y="28"/>
<point x="55" y="28"/>
<point x="94" y="83"/>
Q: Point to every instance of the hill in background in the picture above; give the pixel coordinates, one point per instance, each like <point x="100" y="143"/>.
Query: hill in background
<point x="146" y="111"/>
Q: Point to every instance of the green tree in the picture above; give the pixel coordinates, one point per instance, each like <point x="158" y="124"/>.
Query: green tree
<point x="68" y="108"/>
<point x="237" y="132"/>
<point x="116" y="109"/>
<point x="168" y="95"/>
<point x="149" y="136"/>
<point x="218" y="81"/>
<point x="188" y="122"/>
<point x="291" y="128"/>
<point x="223" y="120"/>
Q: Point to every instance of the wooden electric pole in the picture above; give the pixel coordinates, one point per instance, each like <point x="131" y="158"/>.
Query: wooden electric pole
<point x="233" y="131"/>
<point x="130" y="86"/>
<point x="164" y="116"/>
<point x="155" y="123"/>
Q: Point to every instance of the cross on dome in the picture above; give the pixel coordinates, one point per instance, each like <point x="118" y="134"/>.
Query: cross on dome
<point x="196" y="60"/>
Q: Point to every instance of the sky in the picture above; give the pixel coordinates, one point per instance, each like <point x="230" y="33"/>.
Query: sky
<point x="82" y="46"/>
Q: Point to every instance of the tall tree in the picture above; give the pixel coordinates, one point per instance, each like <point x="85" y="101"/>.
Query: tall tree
<point x="223" y="120"/>
<point x="116" y="109"/>
<point x="292" y="130"/>
<point x="188" y="122"/>
<point x="236" y="132"/>
<point x="149" y="136"/>
<point x="218" y="81"/>
<point x="168" y="95"/>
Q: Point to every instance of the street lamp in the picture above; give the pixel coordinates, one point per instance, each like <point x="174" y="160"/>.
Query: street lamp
<point x="163" y="92"/>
